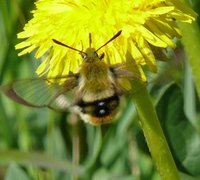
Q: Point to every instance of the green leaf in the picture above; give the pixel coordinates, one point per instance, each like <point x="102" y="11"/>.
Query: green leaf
<point x="107" y="175"/>
<point x="38" y="160"/>
<point x="189" y="95"/>
<point x="16" y="173"/>
<point x="191" y="42"/>
<point x="110" y="154"/>
<point x="95" y="148"/>
<point x="183" y="138"/>
<point x="188" y="177"/>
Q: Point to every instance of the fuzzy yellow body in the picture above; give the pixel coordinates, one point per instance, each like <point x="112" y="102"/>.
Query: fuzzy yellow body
<point x="96" y="85"/>
<point x="96" y="80"/>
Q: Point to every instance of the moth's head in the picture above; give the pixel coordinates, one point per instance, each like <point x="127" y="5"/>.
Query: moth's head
<point x="91" y="55"/>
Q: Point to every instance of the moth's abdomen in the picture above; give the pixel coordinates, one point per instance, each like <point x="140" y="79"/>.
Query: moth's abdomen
<point x="99" y="111"/>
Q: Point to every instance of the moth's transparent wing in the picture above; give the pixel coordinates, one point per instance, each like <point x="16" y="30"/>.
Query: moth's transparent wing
<point x="125" y="72"/>
<point x="43" y="92"/>
<point x="129" y="71"/>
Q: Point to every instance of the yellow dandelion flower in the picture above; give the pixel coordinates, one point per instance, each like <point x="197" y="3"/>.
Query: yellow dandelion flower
<point x="143" y="24"/>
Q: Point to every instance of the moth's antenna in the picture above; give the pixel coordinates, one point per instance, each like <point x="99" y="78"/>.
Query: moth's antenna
<point x="90" y="40"/>
<point x="114" y="37"/>
<point x="65" y="45"/>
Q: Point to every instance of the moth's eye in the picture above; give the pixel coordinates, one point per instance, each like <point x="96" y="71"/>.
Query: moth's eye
<point x="84" y="56"/>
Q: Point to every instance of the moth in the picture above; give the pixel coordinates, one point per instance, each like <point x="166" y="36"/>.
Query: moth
<point x="94" y="91"/>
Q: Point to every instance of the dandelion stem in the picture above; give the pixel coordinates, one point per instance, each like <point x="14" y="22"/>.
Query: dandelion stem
<point x="154" y="135"/>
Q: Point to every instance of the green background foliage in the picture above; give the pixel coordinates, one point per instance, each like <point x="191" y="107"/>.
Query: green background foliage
<point x="43" y="144"/>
